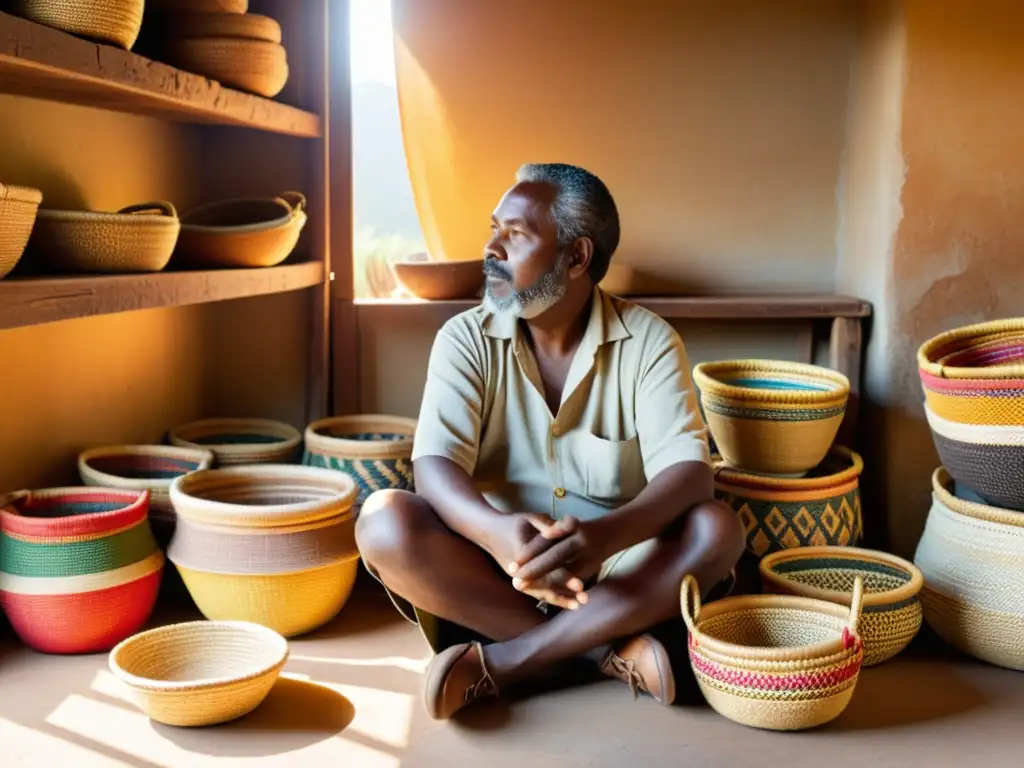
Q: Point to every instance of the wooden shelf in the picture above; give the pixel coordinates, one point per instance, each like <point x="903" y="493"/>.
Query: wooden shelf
<point x="33" y="301"/>
<point x="778" y="307"/>
<point x="45" y="63"/>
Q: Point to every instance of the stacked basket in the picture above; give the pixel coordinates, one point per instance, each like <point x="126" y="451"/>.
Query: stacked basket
<point x="972" y="548"/>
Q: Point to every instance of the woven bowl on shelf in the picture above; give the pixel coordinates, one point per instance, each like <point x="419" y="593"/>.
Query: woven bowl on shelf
<point x="247" y="26"/>
<point x="18" y="208"/>
<point x="199" y="6"/>
<point x="245" y="232"/>
<point x="778" y="662"/>
<point x="374" y="449"/>
<point x="823" y="508"/>
<point x="79" y="567"/>
<point x="891" y="615"/>
<point x="772" y="417"/>
<point x="240" y="441"/>
<point x="254" y="66"/>
<point x="200" y="672"/>
<point x="109" y="21"/>
<point x="139" y="238"/>
<point x="273" y="544"/>
<point x="441" y="280"/>
<point x="972" y="559"/>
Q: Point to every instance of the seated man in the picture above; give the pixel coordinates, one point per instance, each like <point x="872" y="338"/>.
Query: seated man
<point x="562" y="473"/>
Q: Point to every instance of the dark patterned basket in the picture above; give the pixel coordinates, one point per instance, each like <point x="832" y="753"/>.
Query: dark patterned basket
<point x="375" y="450"/>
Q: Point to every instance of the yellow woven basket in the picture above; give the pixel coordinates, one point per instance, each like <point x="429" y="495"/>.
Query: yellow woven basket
<point x="139" y="238"/>
<point x="18" y="207"/>
<point x="777" y="662"/>
<point x="236" y="441"/>
<point x="246" y="26"/>
<point x="772" y="417"/>
<point x="248" y="232"/>
<point x="109" y="21"/>
<point x="199" y="6"/>
<point x="201" y="672"/>
<point x="255" y="66"/>
<point x="892" y="613"/>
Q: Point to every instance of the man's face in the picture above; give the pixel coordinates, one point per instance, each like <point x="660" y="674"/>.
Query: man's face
<point x="526" y="271"/>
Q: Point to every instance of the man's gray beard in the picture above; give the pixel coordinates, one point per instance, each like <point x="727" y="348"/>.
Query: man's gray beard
<point x="538" y="298"/>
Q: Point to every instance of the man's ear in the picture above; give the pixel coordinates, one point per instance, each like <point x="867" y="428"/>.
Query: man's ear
<point x="580" y="256"/>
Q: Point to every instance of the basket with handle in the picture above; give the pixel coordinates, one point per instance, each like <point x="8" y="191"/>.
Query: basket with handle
<point x="777" y="662"/>
<point x="18" y="209"/>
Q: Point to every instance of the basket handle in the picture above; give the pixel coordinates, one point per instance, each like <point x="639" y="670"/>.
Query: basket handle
<point x="160" y="206"/>
<point x="856" y="604"/>
<point x="295" y="201"/>
<point x="689" y="600"/>
<point x="8" y="499"/>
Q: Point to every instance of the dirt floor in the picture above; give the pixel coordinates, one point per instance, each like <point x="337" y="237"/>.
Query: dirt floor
<point x="350" y="696"/>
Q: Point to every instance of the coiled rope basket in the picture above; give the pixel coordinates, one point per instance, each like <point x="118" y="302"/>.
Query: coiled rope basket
<point x="776" y="662"/>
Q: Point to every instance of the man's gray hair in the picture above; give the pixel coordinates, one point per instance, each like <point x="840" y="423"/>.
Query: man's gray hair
<point x="583" y="208"/>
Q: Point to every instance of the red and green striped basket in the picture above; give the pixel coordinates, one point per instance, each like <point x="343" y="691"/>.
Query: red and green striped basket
<point x="79" y="567"/>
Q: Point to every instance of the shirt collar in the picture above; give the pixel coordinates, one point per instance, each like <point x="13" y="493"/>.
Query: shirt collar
<point x="604" y="325"/>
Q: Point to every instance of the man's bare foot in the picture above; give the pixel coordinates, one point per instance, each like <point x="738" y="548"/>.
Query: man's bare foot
<point x="643" y="664"/>
<point x="456" y="677"/>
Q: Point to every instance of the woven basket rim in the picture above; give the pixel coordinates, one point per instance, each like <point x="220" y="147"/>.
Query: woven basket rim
<point x="168" y="218"/>
<point x="227" y="42"/>
<point x="180" y="25"/>
<point x="734" y="476"/>
<point x="693" y="613"/>
<point x="134" y="501"/>
<point x="290" y="436"/>
<point x="705" y="376"/>
<point x="275" y="640"/>
<point x="292" y="213"/>
<point x="252" y="516"/>
<point x="965" y="332"/>
<point x="942" y="480"/>
<point x="19" y="194"/>
<point x="856" y="554"/>
<point x="203" y="458"/>
<point x="364" y="422"/>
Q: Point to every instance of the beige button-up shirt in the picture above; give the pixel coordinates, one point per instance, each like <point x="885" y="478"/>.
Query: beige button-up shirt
<point x="629" y="410"/>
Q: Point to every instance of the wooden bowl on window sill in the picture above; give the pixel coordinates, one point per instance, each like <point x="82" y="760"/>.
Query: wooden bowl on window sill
<point x="441" y="280"/>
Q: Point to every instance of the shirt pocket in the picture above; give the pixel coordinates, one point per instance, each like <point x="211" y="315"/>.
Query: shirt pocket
<point x="614" y="469"/>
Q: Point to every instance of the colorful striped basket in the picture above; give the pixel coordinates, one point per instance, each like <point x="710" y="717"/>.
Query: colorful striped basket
<point x="777" y="662"/>
<point x="973" y="381"/>
<point x="891" y="615"/>
<point x="237" y="441"/>
<point x="375" y="450"/>
<point x="822" y="508"/>
<point x="972" y="559"/>
<point x="79" y="567"/>
<point x="270" y="544"/>
<point x="772" y="417"/>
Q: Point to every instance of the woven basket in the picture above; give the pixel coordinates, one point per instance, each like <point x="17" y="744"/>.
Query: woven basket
<point x="972" y="558"/>
<point x="822" y="508"/>
<point x="254" y="66"/>
<point x="79" y="568"/>
<point x="772" y="417"/>
<point x="110" y="21"/>
<point x="139" y="238"/>
<point x="374" y="449"/>
<point x="244" y="232"/>
<point x="777" y="662"/>
<point x="200" y="6"/>
<point x="200" y="672"/>
<point x="18" y="208"/>
<point x="269" y="544"/>
<point x="247" y="26"/>
<point x="891" y="615"/>
<point x="240" y="441"/>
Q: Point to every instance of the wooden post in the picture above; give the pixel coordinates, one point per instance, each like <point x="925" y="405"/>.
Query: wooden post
<point x="845" y="357"/>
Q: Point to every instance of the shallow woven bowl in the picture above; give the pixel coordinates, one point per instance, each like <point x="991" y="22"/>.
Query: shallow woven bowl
<point x="255" y="66"/>
<point x="200" y="6"/>
<point x="891" y="615"/>
<point x="820" y="509"/>
<point x="200" y="672"/>
<point x="273" y="544"/>
<point x="139" y="238"/>
<point x="110" y="21"/>
<point x="247" y="26"/>
<point x="18" y="208"/>
<point x="972" y="559"/>
<point x="79" y="568"/>
<point x="240" y="441"/>
<point x="242" y="233"/>
<point x="777" y="662"/>
<point x="441" y="280"/>
<point x="772" y="417"/>
<point x="374" y="449"/>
